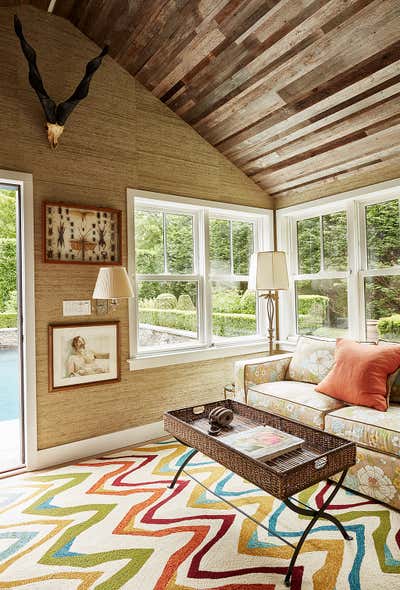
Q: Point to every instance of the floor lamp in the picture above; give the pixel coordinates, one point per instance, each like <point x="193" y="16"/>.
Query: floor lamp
<point x="268" y="273"/>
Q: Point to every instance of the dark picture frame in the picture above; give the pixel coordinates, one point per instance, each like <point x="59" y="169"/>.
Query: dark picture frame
<point x="81" y="234"/>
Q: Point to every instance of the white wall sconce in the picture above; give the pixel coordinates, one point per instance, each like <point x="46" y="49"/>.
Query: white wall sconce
<point x="112" y="284"/>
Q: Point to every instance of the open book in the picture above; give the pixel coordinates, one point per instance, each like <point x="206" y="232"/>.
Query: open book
<point x="263" y="442"/>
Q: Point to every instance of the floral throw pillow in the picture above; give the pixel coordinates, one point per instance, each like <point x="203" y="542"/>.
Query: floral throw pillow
<point x="312" y="360"/>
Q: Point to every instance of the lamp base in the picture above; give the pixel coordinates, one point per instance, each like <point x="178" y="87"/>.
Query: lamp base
<point x="270" y="300"/>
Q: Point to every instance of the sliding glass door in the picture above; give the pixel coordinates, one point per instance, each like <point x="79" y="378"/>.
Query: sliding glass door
<point x="11" y="357"/>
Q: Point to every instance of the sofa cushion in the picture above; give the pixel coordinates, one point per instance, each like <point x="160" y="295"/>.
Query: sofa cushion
<point x="367" y="427"/>
<point x="312" y="360"/>
<point x="359" y="376"/>
<point x="294" y="400"/>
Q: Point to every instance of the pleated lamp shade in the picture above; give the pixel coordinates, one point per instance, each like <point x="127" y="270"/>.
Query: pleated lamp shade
<point x="112" y="283"/>
<point x="268" y="272"/>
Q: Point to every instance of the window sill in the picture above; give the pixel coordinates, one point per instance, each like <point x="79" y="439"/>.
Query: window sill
<point x="193" y="356"/>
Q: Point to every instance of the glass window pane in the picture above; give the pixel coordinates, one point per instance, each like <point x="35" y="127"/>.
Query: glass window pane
<point x="242" y="244"/>
<point x="334" y="231"/>
<point x="382" y="307"/>
<point x="309" y="245"/>
<point x="168" y="314"/>
<point x="233" y="310"/>
<point x="322" y="307"/>
<point x="179" y="232"/>
<point x="383" y="236"/>
<point x="220" y="246"/>
<point x="149" y="242"/>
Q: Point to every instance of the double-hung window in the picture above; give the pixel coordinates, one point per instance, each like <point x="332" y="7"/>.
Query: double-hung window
<point x="344" y="258"/>
<point x="320" y="274"/>
<point x="380" y="258"/>
<point x="189" y="261"/>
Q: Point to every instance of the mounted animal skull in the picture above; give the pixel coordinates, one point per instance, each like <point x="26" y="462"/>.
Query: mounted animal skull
<point x="56" y="115"/>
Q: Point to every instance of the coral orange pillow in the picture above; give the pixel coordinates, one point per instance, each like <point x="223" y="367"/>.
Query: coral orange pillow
<point x="359" y="375"/>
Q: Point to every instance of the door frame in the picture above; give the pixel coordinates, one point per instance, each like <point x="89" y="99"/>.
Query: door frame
<point x="27" y="273"/>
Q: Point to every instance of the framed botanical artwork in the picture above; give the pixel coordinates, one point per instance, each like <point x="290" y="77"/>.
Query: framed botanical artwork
<point x="77" y="234"/>
<point x="83" y="354"/>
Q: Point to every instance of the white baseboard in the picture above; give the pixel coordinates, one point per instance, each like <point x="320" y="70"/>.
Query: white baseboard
<point x="94" y="446"/>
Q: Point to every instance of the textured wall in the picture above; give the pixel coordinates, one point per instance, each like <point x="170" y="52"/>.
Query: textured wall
<point x="119" y="137"/>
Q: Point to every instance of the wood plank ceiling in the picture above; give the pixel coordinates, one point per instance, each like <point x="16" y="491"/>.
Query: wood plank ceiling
<point x="302" y="95"/>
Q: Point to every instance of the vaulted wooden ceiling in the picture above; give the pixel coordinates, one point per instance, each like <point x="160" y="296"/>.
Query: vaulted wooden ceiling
<point x="302" y="95"/>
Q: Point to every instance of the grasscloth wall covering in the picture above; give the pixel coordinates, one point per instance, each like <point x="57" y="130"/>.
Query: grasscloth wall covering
<point x="120" y="136"/>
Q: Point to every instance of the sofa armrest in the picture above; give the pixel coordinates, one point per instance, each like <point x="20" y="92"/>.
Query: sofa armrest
<point x="260" y="370"/>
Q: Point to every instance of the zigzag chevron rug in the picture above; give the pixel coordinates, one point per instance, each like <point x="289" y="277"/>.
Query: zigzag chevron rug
<point x="112" y="523"/>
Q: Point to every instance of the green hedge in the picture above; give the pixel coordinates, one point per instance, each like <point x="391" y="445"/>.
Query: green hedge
<point x="312" y="312"/>
<point x="166" y="301"/>
<point x="224" y="324"/>
<point x="313" y="304"/>
<point x="389" y="328"/>
<point x="8" y="320"/>
<point x="233" y="324"/>
<point x="8" y="269"/>
<point x="308" y="323"/>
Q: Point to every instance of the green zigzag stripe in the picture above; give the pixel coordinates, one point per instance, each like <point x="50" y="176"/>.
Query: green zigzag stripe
<point x="381" y="532"/>
<point x="137" y="557"/>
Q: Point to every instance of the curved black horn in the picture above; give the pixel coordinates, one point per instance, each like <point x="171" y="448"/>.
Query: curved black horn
<point x="64" y="109"/>
<point x="35" y="79"/>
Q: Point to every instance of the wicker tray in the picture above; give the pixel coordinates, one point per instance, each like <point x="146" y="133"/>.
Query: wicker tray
<point x="321" y="456"/>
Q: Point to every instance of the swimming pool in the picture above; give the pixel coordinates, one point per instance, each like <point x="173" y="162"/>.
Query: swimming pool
<point x="9" y="384"/>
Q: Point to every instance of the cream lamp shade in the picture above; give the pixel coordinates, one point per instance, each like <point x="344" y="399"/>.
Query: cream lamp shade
<point x="268" y="272"/>
<point x="112" y="283"/>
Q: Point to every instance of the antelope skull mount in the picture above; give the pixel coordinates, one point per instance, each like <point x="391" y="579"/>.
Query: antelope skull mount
<point x="56" y="115"/>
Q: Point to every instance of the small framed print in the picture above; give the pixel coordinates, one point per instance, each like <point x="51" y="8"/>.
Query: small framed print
<point x="77" y="234"/>
<point x="83" y="354"/>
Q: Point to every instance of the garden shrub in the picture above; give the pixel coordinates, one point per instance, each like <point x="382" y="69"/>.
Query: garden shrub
<point x="312" y="312"/>
<point x="226" y="301"/>
<point x="389" y="328"/>
<point x="248" y="302"/>
<point x="224" y="324"/>
<point x="11" y="305"/>
<point x="308" y="322"/>
<point x="185" y="302"/>
<point x="166" y="301"/>
<point x="233" y="324"/>
<point x="169" y="318"/>
<point x="313" y="304"/>
<point x="8" y="269"/>
<point x="8" y="320"/>
<point x="146" y="261"/>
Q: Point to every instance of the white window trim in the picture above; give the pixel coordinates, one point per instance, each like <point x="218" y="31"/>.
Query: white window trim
<point x="202" y="351"/>
<point x="354" y="203"/>
<point x="25" y="183"/>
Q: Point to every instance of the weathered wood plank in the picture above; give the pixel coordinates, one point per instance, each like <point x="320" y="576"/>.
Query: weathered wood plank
<point x="345" y="131"/>
<point x="365" y="146"/>
<point x="272" y="84"/>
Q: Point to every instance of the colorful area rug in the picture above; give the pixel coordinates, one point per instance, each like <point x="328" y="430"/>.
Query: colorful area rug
<point x="112" y="523"/>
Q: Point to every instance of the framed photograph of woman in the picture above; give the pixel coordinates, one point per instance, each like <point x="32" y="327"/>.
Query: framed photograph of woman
<point x="83" y="354"/>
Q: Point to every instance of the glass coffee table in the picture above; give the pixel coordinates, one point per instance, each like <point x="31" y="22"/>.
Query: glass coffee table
<point x="321" y="456"/>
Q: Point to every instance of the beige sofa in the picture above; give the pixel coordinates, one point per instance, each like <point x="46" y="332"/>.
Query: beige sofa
<point x="282" y="385"/>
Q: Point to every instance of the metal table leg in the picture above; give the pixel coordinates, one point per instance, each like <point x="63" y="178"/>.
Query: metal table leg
<point x="302" y="509"/>
<point x="182" y="467"/>
<point x="316" y="514"/>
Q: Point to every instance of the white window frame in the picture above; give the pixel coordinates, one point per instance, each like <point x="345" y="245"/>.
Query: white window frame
<point x="354" y="203"/>
<point x="364" y="270"/>
<point x="201" y="210"/>
<point x="25" y="183"/>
